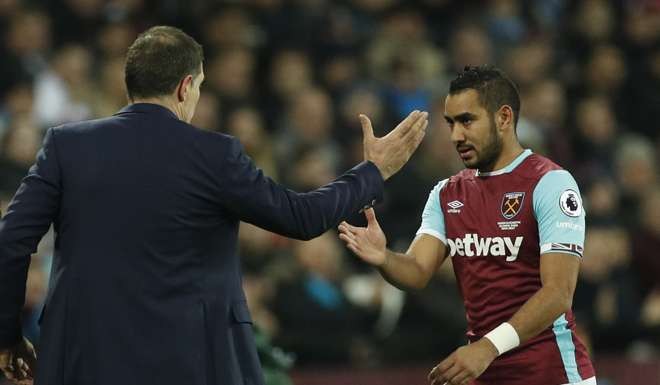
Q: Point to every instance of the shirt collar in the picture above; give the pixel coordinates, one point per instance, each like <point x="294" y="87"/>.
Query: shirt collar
<point x="508" y="168"/>
<point x="148" y="108"/>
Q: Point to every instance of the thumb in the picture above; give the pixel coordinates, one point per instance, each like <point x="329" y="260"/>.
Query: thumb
<point x="371" y="217"/>
<point x="367" y="129"/>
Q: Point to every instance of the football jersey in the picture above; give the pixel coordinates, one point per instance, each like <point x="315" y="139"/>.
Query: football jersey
<point x="496" y="226"/>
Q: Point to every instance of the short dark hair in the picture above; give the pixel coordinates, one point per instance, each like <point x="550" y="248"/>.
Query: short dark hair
<point x="495" y="89"/>
<point x="158" y="59"/>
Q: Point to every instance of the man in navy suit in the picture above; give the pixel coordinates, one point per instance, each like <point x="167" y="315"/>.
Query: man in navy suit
<point x="145" y="286"/>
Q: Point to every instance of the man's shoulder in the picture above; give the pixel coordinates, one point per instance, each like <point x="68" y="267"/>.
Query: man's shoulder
<point x="82" y="126"/>
<point x="536" y="166"/>
<point x="113" y="124"/>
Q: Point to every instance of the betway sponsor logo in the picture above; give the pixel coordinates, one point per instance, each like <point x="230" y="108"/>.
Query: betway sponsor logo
<point x="471" y="245"/>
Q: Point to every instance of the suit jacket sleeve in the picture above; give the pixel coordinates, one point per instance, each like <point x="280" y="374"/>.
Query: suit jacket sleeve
<point x="255" y="198"/>
<point x="28" y="218"/>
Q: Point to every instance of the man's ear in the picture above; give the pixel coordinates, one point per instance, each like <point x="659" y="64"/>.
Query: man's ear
<point x="505" y="116"/>
<point x="183" y="87"/>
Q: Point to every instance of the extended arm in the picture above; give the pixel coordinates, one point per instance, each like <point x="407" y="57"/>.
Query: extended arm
<point x="413" y="269"/>
<point x="256" y="199"/>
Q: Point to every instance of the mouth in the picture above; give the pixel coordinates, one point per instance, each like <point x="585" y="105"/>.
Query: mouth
<point x="465" y="152"/>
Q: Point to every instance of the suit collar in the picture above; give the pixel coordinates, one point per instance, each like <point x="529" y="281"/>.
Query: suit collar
<point x="147" y="108"/>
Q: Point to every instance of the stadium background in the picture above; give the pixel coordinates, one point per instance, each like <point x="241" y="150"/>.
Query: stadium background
<point x="289" y="78"/>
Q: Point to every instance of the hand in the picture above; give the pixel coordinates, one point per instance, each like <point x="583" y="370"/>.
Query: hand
<point x="18" y="363"/>
<point x="369" y="242"/>
<point x="392" y="151"/>
<point x="465" y="364"/>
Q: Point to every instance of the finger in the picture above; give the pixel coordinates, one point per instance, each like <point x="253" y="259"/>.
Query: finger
<point x="405" y="125"/>
<point x="371" y="216"/>
<point x="419" y="125"/>
<point x="351" y="244"/>
<point x="347" y="238"/>
<point x="351" y="228"/>
<point x="454" y="374"/>
<point x="27" y="368"/>
<point x="344" y="229"/>
<point x="461" y="378"/>
<point x="446" y="364"/>
<point x="9" y="374"/>
<point x="413" y="142"/>
<point x="353" y="247"/>
<point x="436" y="372"/>
<point x="367" y="128"/>
<point x="420" y="136"/>
<point x="433" y="373"/>
<point x="439" y="381"/>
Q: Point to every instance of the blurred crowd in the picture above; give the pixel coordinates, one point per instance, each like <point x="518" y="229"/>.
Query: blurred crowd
<point x="289" y="77"/>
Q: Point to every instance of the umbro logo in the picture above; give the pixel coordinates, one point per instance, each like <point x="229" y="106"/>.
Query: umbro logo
<point x="455" y="207"/>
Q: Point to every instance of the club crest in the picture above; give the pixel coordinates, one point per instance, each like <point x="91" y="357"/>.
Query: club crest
<point x="511" y="204"/>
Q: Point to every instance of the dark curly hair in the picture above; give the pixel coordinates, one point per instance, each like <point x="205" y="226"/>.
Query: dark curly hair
<point x="495" y="89"/>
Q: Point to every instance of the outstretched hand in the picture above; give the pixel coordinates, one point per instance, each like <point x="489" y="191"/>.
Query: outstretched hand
<point x="18" y="363"/>
<point x="393" y="150"/>
<point x="368" y="243"/>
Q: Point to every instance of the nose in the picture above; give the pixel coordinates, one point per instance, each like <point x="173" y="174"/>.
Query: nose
<point x="457" y="133"/>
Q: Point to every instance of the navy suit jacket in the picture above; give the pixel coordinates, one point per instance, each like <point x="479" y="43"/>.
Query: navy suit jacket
<point x="145" y="287"/>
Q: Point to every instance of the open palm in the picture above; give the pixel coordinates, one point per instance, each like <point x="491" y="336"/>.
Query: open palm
<point x="368" y="243"/>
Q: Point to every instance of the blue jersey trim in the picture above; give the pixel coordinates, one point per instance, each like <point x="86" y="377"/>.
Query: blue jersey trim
<point x="564" y="338"/>
<point x="433" y="219"/>
<point x="510" y="167"/>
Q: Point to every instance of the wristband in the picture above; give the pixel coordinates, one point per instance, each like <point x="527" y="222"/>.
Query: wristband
<point x="504" y="337"/>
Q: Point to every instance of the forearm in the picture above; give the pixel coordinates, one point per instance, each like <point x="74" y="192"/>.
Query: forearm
<point x="539" y="312"/>
<point x="404" y="271"/>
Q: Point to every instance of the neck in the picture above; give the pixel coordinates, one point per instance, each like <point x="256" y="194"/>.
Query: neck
<point x="163" y="101"/>
<point x="510" y="151"/>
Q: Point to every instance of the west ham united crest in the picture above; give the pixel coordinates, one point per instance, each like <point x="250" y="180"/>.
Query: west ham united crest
<point x="511" y="204"/>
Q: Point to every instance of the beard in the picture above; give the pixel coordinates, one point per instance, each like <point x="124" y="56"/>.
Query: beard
<point x="485" y="159"/>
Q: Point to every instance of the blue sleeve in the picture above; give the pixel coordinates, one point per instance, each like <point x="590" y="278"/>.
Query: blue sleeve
<point x="559" y="214"/>
<point x="433" y="220"/>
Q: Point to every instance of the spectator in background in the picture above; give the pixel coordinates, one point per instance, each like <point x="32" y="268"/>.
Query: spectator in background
<point x="646" y="243"/>
<point x="637" y="173"/>
<point x="469" y="44"/>
<point x="607" y="298"/>
<point x="64" y="92"/>
<point x="208" y="114"/>
<point x="230" y="27"/>
<point x="314" y="301"/>
<point x="111" y="94"/>
<point x="404" y="60"/>
<point x="290" y="73"/>
<point x="597" y="128"/>
<point x="26" y="45"/>
<point x="230" y="75"/>
<point x="21" y="137"/>
<point x="114" y="38"/>
<point x="247" y="125"/>
<point x="309" y="122"/>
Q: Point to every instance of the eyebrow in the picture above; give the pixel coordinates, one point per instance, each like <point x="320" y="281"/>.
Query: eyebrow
<point x="460" y="117"/>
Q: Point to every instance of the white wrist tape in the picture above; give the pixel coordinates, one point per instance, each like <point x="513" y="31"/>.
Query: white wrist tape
<point x="504" y="337"/>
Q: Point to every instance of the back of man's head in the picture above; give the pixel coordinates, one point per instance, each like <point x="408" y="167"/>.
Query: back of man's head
<point x="495" y="89"/>
<point x="157" y="61"/>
